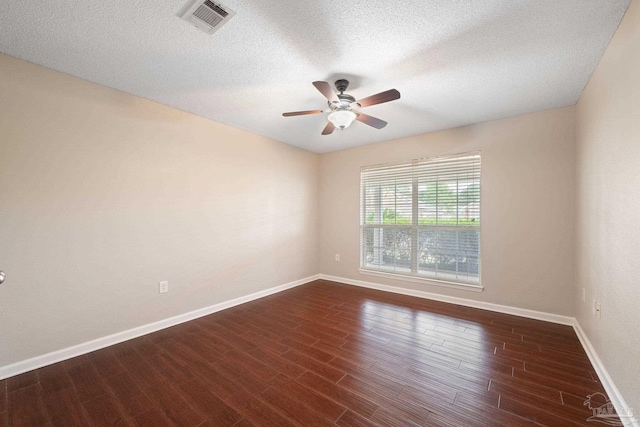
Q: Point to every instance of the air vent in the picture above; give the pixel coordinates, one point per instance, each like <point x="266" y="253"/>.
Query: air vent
<point x="206" y="15"/>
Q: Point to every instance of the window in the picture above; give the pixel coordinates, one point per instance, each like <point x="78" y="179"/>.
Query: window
<point x="422" y="219"/>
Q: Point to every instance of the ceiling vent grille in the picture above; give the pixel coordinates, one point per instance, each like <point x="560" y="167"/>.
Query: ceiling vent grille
<point x="206" y="15"/>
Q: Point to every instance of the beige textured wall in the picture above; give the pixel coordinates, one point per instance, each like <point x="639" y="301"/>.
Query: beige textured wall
<point x="103" y="194"/>
<point x="527" y="206"/>
<point x="608" y="207"/>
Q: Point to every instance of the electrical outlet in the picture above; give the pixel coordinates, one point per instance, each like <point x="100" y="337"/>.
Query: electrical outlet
<point x="598" y="310"/>
<point x="337" y="257"/>
<point x="163" y="287"/>
<point x="584" y="294"/>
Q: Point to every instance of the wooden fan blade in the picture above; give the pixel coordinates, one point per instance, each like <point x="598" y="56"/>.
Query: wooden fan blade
<point x="328" y="129"/>
<point x="301" y="113"/>
<point x="371" y="121"/>
<point x="326" y="89"/>
<point x="379" y="98"/>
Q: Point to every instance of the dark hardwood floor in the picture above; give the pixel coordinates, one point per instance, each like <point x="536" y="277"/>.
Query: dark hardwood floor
<point x="321" y="354"/>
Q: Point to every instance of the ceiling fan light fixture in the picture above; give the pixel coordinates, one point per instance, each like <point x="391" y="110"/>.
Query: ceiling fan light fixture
<point x="342" y="118"/>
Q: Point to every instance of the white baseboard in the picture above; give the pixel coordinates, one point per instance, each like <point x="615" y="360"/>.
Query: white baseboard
<point x="523" y="312"/>
<point x="612" y="391"/>
<point x="97" y="344"/>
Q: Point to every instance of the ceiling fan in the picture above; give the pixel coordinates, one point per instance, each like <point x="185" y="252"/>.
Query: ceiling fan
<point x="344" y="109"/>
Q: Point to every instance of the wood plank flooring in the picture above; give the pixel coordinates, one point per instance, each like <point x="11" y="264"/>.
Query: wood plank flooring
<point x="320" y="354"/>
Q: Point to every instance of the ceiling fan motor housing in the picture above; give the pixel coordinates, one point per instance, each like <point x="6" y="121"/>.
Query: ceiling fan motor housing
<point x="345" y="102"/>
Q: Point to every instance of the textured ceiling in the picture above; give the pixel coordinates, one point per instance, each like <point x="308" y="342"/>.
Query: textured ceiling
<point x="455" y="62"/>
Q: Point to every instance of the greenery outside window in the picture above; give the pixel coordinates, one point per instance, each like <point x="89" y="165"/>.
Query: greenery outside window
<point x="422" y="219"/>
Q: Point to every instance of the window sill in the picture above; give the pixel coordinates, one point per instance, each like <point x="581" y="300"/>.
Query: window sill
<point x="443" y="283"/>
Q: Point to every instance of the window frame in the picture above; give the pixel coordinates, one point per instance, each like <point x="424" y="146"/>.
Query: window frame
<point x="415" y="227"/>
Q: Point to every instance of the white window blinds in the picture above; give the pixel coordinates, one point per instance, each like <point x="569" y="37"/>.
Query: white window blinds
<point x="422" y="218"/>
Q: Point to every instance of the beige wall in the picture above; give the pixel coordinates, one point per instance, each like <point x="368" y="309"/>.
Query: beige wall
<point x="608" y="207"/>
<point x="103" y="194"/>
<point x="527" y="207"/>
